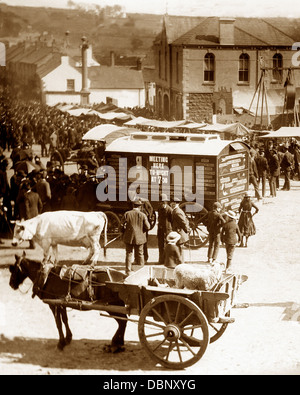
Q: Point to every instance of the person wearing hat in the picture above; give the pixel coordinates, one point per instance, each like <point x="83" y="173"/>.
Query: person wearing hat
<point x="180" y="224"/>
<point x="215" y="221"/>
<point x="42" y="187"/>
<point x="172" y="254"/>
<point x="262" y="170"/>
<point x="164" y="226"/>
<point x="274" y="171"/>
<point x="230" y="235"/>
<point x="253" y="174"/>
<point x="134" y="225"/>
<point x="287" y="165"/>
<point x="246" y="224"/>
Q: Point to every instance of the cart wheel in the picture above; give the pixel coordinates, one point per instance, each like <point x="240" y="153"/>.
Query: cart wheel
<point x="216" y="330"/>
<point x="113" y="226"/>
<point x="174" y="331"/>
<point x="197" y="215"/>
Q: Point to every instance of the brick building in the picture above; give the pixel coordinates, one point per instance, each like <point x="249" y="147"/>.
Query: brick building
<point x="210" y="65"/>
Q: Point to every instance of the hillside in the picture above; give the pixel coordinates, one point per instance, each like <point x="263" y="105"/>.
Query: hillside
<point x="127" y="36"/>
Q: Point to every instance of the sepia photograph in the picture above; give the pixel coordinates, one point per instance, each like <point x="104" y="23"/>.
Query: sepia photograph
<point x="149" y="190"/>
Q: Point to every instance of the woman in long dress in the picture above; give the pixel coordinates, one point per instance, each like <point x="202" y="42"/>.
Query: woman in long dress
<point x="246" y="224"/>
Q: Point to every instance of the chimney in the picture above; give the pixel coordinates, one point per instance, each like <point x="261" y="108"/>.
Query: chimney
<point x="66" y="43"/>
<point x="139" y="64"/>
<point x="84" y="72"/>
<point x="112" y="58"/>
<point x="226" y="31"/>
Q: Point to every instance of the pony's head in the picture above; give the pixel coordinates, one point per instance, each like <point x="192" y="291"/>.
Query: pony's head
<point x="18" y="272"/>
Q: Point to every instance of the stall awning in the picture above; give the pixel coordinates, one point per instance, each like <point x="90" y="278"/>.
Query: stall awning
<point x="153" y="122"/>
<point x="109" y="116"/>
<point x="236" y="128"/>
<point x="192" y="126"/>
<point x="284" y="132"/>
<point x="136" y="121"/>
<point x="77" y="112"/>
<point x="107" y="132"/>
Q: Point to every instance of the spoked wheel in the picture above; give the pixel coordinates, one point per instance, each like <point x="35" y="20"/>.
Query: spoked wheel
<point x="113" y="226"/>
<point x="216" y="330"/>
<point x="196" y="214"/>
<point x="174" y="331"/>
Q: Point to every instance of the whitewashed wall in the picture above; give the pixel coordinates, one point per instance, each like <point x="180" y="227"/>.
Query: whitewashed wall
<point x="56" y="80"/>
<point x="122" y="97"/>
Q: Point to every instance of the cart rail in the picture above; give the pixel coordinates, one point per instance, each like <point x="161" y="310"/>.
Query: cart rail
<point x="175" y="326"/>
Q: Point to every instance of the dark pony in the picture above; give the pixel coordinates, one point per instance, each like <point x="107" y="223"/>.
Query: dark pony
<point x="57" y="288"/>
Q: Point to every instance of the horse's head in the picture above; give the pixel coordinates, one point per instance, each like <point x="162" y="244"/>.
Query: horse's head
<point x="18" y="272"/>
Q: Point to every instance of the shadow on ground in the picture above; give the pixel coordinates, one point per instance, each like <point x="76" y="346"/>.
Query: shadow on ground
<point x="84" y="354"/>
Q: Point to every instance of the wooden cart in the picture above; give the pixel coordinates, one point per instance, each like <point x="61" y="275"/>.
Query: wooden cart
<point x="175" y="326"/>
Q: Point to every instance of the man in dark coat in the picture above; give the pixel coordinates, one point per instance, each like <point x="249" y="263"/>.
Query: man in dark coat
<point x="33" y="206"/>
<point x="262" y="170"/>
<point x="180" y="224"/>
<point x="253" y="175"/>
<point x="274" y="169"/>
<point x="287" y="165"/>
<point x="164" y="226"/>
<point x="297" y="160"/>
<point x="42" y="187"/>
<point x="135" y="225"/>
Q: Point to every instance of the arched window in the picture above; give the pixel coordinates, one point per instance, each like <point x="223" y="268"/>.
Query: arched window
<point x="209" y="67"/>
<point x="277" y="67"/>
<point x="244" y="66"/>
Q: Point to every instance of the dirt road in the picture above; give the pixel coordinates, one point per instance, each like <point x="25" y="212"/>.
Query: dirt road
<point x="263" y="340"/>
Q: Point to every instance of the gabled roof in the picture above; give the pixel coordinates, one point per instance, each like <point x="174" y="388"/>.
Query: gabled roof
<point x="247" y="32"/>
<point x="105" y="77"/>
<point x="50" y="65"/>
<point x="176" y="26"/>
<point x="37" y="55"/>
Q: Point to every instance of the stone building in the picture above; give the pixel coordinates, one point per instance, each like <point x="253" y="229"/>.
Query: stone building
<point x="211" y="65"/>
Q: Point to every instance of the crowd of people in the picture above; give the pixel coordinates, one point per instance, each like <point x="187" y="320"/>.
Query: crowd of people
<point x="21" y="126"/>
<point x="33" y="122"/>
<point x="269" y="162"/>
<point x="31" y="191"/>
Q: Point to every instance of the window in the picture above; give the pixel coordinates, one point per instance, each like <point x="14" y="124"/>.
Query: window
<point x="159" y="64"/>
<point x="177" y="67"/>
<point x="70" y="85"/>
<point x="277" y="67"/>
<point x="209" y="67"/>
<point x="166" y="64"/>
<point x="244" y="68"/>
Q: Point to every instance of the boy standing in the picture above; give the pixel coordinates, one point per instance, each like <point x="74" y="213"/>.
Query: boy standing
<point x="230" y="236"/>
<point x="214" y="226"/>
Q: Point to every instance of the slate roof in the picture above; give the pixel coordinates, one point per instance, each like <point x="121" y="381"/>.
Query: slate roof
<point x="37" y="55"/>
<point x="105" y="77"/>
<point x="247" y="32"/>
<point x="50" y="65"/>
<point x="178" y="25"/>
